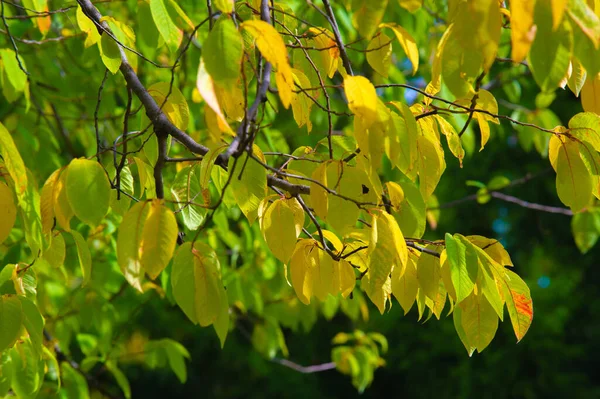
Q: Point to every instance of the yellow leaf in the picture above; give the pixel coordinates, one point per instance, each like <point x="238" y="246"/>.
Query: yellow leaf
<point x="318" y="195"/>
<point x="298" y="214"/>
<point x="301" y="103"/>
<point x="379" y="54"/>
<point x="302" y="263"/>
<point x="407" y="42"/>
<point x="405" y="283"/>
<point x="225" y="6"/>
<point x="279" y="230"/>
<point x="8" y="211"/>
<point x="387" y="249"/>
<point x="558" y="10"/>
<point x="429" y="273"/>
<point x="206" y="87"/>
<point x="272" y="47"/>
<point x="87" y="26"/>
<point x="518" y="301"/>
<point x="411" y="5"/>
<point x="452" y="137"/>
<point x="430" y="165"/>
<point x="176" y="107"/>
<point x="323" y="39"/>
<point x="435" y="85"/>
<point x="362" y="98"/>
<point x="13" y="161"/>
<point x="590" y="94"/>
<point x="323" y="276"/>
<point x="573" y="179"/>
<point x="344" y="277"/>
<point x="158" y="240"/>
<point x="128" y="243"/>
<point x="396" y="194"/>
<point x="47" y="201"/>
<point x="522" y="29"/>
<point x="62" y="208"/>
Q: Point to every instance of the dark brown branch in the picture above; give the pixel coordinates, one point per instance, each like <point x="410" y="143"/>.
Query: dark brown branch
<point x="338" y="37"/>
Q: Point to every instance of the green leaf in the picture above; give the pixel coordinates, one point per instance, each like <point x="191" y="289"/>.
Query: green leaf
<point x="88" y="191"/>
<point x="463" y="266"/>
<point x="586" y="229"/>
<point x="168" y="30"/>
<point x="367" y="16"/>
<point x="33" y="323"/>
<point x="187" y="191"/>
<point x="13" y="161"/>
<point x="458" y="325"/>
<point x="176" y="355"/>
<point x="110" y="53"/>
<point x="74" y="383"/>
<point x="196" y="282"/>
<point x="11" y="319"/>
<point x="16" y="76"/>
<point x="550" y="52"/>
<point x="120" y="377"/>
<point x="248" y="183"/>
<point x="85" y="257"/>
<point x="27" y="371"/>
<point x="223" y="51"/>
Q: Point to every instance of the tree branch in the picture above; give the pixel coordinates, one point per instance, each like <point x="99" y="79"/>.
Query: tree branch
<point x="304" y="369"/>
<point x="338" y="37"/>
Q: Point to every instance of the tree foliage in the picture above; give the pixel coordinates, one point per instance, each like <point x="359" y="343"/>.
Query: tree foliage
<point x="267" y="163"/>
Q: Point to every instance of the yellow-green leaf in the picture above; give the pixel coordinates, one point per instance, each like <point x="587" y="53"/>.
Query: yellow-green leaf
<point x="225" y="6"/>
<point x="85" y="257"/>
<point x="518" y="302"/>
<point x="167" y="28"/>
<point x="590" y="94"/>
<point x="379" y="54"/>
<point x="196" y="282"/>
<point x="367" y="14"/>
<point x="47" y="201"/>
<point x="88" y="190"/>
<point x="56" y="252"/>
<point x="408" y="43"/>
<point x="222" y="51"/>
<point x="8" y="211"/>
<point x="12" y="161"/>
<point x="176" y="108"/>
<point x="318" y="194"/>
<point x="249" y="183"/>
<point x="479" y="321"/>
<point x="304" y="260"/>
<point x="279" y="230"/>
<point x="110" y="53"/>
<point x="158" y="239"/>
<point x="573" y="179"/>
<point x="11" y="315"/>
<point x="128" y="243"/>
